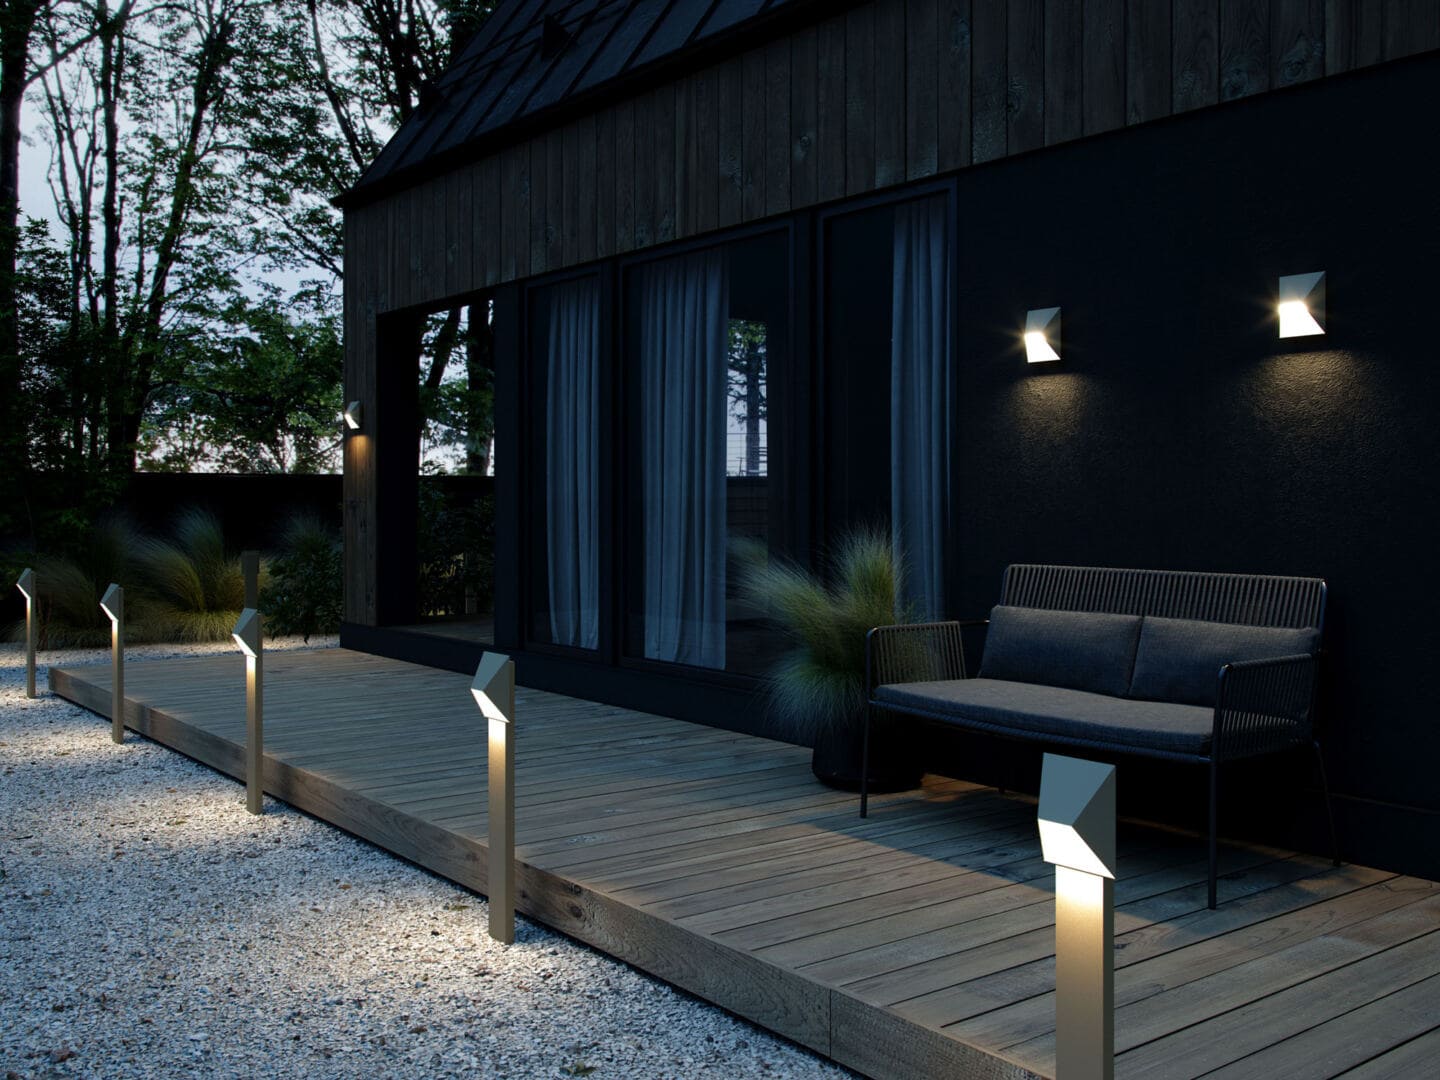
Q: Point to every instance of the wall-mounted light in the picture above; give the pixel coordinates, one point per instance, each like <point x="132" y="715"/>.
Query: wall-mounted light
<point x="1077" y="834"/>
<point x="113" y="604"/>
<point x="249" y="636"/>
<point x="354" y="415"/>
<point x="1042" y="335"/>
<point x="1302" y="304"/>
<point x="494" y="690"/>
<point x="26" y="585"/>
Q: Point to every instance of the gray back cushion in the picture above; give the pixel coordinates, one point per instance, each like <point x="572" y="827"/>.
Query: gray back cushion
<point x="1179" y="660"/>
<point x="1079" y="650"/>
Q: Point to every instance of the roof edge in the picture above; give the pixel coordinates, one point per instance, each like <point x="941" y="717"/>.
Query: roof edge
<point x="735" y="39"/>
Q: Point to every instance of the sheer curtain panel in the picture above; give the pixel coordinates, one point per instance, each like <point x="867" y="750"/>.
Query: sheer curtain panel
<point x="684" y="312"/>
<point x="572" y="500"/>
<point x="921" y="375"/>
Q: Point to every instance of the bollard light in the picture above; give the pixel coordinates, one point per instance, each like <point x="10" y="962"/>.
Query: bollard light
<point x="250" y="569"/>
<point x="26" y="585"/>
<point x="113" y="604"/>
<point x="494" y="690"/>
<point x="248" y="635"/>
<point x="1077" y="835"/>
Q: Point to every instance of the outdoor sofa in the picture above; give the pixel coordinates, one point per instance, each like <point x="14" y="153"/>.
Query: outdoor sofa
<point x="1190" y="667"/>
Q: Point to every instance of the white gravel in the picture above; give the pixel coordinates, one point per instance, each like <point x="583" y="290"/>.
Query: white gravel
<point x="149" y="927"/>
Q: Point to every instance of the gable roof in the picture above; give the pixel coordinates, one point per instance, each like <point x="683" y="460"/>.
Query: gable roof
<point x="532" y="59"/>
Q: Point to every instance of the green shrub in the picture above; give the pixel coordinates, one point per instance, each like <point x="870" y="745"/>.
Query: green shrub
<point x="456" y="553"/>
<point x="820" y="684"/>
<point x="305" y="589"/>
<point x="196" y="587"/>
<point x="70" y="586"/>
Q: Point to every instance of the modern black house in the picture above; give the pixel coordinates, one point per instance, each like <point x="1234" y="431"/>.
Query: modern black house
<point x="759" y="271"/>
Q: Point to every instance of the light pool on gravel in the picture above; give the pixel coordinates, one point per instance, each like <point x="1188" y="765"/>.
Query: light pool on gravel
<point x="150" y="927"/>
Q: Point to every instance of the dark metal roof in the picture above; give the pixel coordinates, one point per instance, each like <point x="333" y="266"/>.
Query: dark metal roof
<point x="532" y="57"/>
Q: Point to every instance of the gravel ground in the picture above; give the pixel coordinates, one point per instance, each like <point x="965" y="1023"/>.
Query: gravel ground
<point x="149" y="927"/>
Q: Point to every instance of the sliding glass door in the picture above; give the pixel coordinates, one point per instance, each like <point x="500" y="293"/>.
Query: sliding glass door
<point x="565" y="471"/>
<point x="706" y="347"/>
<point x="889" y="386"/>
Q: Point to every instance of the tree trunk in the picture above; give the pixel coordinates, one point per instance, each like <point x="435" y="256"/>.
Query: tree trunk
<point x="143" y="349"/>
<point x="753" y="386"/>
<point x="480" y="371"/>
<point x="17" y="21"/>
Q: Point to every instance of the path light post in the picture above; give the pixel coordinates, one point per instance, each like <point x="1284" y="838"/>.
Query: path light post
<point x="1077" y="834"/>
<point x="250" y="568"/>
<point x="494" y="690"/>
<point x="26" y="585"/>
<point x="113" y="604"/>
<point x="247" y="635"/>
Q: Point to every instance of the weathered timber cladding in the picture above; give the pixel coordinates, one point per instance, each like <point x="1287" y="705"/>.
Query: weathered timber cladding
<point x="882" y="93"/>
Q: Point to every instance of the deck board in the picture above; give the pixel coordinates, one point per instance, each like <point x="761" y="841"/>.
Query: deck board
<point x="918" y="942"/>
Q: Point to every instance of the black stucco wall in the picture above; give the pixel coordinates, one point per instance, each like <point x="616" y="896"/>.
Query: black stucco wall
<point x="1179" y="432"/>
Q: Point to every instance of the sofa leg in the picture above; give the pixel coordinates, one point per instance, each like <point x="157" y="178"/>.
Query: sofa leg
<point x="1214" y="855"/>
<point x="1329" y="810"/>
<point x="865" y="767"/>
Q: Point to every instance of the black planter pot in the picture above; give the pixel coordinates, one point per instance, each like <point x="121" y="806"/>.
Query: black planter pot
<point x="839" y="751"/>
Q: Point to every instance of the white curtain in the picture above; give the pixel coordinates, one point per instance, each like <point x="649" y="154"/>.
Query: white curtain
<point x="921" y="392"/>
<point x="684" y="309"/>
<point x="572" y="499"/>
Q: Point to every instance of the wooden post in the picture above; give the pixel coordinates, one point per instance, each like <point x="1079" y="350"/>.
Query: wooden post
<point x="26" y="585"/>
<point x="494" y="691"/>
<point x="113" y="604"/>
<point x="250" y="566"/>
<point x="248" y="634"/>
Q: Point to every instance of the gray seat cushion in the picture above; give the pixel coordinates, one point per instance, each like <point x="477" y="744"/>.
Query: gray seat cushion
<point x="1180" y="659"/>
<point x="1051" y="710"/>
<point x="1080" y="650"/>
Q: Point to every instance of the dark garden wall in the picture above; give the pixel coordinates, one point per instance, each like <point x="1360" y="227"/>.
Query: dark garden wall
<point x="1179" y="432"/>
<point x="253" y="510"/>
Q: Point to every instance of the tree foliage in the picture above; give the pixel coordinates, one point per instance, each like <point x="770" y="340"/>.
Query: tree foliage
<point x="183" y="311"/>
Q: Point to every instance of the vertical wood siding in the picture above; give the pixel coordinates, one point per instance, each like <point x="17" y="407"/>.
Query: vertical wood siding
<point x="880" y="94"/>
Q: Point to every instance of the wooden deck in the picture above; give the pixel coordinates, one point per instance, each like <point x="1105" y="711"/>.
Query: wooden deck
<point x="918" y="943"/>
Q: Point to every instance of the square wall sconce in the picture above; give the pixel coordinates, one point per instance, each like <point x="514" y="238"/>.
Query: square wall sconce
<point x="1042" y="335"/>
<point x="1302" y="304"/>
<point x="354" y="415"/>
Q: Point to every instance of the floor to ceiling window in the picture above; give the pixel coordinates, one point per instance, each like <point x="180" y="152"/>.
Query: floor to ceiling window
<point x="889" y="386"/>
<point x="565" y="469"/>
<point x="706" y="347"/>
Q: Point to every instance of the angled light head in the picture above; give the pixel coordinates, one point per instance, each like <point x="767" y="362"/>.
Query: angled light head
<point x="354" y="415"/>
<point x="1042" y="335"/>
<point x="113" y="603"/>
<point x="247" y="632"/>
<point x="494" y="685"/>
<point x="1302" y="304"/>
<point x="26" y="583"/>
<point x="1077" y="814"/>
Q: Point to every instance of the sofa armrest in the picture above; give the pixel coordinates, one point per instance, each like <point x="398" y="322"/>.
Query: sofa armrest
<point x="1264" y="705"/>
<point x="914" y="652"/>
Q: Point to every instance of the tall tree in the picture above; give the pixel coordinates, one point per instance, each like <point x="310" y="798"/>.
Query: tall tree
<point x="140" y="122"/>
<point x="17" y="24"/>
<point x="194" y="148"/>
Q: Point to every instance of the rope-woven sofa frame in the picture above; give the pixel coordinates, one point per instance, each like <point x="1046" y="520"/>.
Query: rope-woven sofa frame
<point x="1200" y="668"/>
